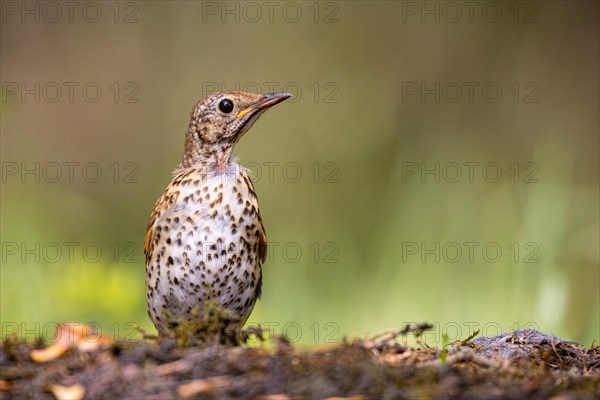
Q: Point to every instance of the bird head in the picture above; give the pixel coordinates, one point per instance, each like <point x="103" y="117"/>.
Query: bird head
<point x="219" y="120"/>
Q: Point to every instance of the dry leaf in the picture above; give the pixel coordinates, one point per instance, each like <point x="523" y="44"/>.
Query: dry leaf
<point x="74" y="392"/>
<point x="395" y="358"/>
<point x="91" y="343"/>
<point x="195" y="387"/>
<point x="49" y="353"/>
<point x="200" y="386"/>
<point x="71" y="334"/>
<point x="359" y="397"/>
<point x="172" y="367"/>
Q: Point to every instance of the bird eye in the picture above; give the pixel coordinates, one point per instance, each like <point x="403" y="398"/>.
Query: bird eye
<point x="226" y="106"/>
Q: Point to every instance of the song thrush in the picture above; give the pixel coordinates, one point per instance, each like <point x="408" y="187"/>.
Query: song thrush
<point x="205" y="241"/>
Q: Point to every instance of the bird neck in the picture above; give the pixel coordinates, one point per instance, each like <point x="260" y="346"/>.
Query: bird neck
<point x="206" y="157"/>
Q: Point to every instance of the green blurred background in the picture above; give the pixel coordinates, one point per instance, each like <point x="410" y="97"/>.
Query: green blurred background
<point x="360" y="240"/>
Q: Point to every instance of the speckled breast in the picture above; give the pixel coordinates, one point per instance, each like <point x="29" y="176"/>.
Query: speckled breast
<point x="208" y="245"/>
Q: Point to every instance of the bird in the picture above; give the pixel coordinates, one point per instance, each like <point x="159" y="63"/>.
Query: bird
<point x="205" y="241"/>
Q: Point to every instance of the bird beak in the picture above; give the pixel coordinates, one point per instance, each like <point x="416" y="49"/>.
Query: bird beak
<point x="268" y="100"/>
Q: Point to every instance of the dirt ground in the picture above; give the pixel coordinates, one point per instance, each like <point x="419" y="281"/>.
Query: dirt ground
<point x="521" y="364"/>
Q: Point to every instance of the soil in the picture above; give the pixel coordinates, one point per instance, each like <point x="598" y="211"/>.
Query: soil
<point x="516" y="365"/>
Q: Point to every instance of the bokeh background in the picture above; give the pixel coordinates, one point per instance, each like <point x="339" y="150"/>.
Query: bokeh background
<point x="422" y="140"/>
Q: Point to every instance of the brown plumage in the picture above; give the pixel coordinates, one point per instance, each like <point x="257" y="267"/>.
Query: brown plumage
<point x="205" y="240"/>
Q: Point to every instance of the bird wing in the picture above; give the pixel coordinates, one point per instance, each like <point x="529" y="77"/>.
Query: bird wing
<point x="262" y="242"/>
<point x="162" y="205"/>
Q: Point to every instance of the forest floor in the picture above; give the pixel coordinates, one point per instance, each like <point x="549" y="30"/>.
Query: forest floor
<point x="516" y="365"/>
